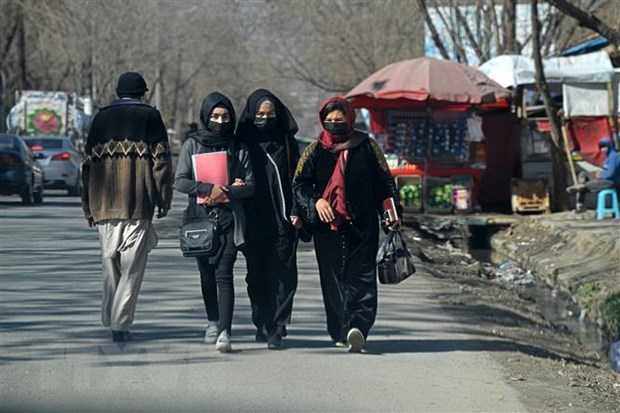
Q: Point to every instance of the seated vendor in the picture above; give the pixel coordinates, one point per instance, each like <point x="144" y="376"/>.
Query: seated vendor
<point x="608" y="177"/>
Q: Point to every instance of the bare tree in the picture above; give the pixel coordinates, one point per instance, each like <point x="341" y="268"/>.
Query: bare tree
<point x="588" y="19"/>
<point x="475" y="32"/>
<point x="321" y="44"/>
<point x="558" y="157"/>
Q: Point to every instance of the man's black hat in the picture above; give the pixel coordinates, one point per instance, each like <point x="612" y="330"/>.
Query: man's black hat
<point x="132" y="84"/>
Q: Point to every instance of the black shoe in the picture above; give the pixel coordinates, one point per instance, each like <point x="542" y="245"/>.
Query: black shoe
<point x="261" y="337"/>
<point x="275" y="342"/>
<point x="284" y="333"/>
<point x="120" y="336"/>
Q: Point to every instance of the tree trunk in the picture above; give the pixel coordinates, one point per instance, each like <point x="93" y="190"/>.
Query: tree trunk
<point x="92" y="84"/>
<point x="21" y="46"/>
<point x="2" y="102"/>
<point x="558" y="157"/>
<point x="510" y="28"/>
<point x="587" y="20"/>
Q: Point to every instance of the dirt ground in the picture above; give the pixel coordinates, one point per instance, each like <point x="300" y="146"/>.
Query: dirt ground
<point x="550" y="369"/>
<point x="580" y="256"/>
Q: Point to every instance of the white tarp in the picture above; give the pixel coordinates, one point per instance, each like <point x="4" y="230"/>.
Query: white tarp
<point x="514" y="70"/>
<point x="592" y="99"/>
<point x="585" y="99"/>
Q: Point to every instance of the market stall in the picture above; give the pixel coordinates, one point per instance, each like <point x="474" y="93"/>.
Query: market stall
<point x="425" y="114"/>
<point x="586" y="87"/>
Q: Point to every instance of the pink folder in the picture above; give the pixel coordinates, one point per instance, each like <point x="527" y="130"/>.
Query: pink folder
<point x="210" y="168"/>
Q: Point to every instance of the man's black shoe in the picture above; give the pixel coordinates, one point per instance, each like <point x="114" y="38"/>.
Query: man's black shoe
<point x="275" y="342"/>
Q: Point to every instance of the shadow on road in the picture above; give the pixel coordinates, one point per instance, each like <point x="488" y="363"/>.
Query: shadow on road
<point x="46" y="203"/>
<point x="442" y="346"/>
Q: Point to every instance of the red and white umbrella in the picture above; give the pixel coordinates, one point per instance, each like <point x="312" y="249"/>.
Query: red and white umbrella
<point x="428" y="81"/>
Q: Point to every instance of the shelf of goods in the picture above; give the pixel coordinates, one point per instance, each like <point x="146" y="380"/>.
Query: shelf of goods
<point x="439" y="137"/>
<point x="410" y="190"/>
<point x="438" y="197"/>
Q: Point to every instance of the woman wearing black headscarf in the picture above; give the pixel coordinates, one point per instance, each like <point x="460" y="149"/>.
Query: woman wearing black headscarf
<point x="340" y="184"/>
<point x="218" y="119"/>
<point x="268" y="128"/>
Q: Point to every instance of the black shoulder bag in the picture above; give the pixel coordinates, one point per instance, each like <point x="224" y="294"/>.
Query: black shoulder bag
<point x="200" y="237"/>
<point x="394" y="263"/>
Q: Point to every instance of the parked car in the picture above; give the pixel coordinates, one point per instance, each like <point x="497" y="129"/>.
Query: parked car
<point x="60" y="160"/>
<point x="20" y="173"/>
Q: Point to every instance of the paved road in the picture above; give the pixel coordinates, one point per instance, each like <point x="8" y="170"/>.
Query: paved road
<point x="55" y="356"/>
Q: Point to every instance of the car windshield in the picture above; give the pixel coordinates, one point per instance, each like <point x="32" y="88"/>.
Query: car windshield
<point x="38" y="144"/>
<point x="8" y="142"/>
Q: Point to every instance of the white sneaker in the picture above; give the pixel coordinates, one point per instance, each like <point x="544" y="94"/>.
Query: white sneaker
<point x="356" y="340"/>
<point x="211" y="332"/>
<point x="223" y="342"/>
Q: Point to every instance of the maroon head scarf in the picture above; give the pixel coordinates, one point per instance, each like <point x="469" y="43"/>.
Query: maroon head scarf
<point x="335" y="192"/>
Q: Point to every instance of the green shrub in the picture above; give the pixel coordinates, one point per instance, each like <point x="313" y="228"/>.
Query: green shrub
<point x="587" y="294"/>
<point x="610" y="316"/>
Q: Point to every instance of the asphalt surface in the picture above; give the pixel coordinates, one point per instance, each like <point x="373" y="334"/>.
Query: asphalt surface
<point x="56" y="356"/>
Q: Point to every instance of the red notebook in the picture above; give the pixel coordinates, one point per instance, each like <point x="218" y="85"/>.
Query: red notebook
<point x="210" y="168"/>
<point x="390" y="214"/>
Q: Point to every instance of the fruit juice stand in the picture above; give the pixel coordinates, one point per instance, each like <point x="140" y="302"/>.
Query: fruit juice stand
<point x="432" y="140"/>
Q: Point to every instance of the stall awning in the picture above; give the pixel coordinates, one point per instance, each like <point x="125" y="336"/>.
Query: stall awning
<point x="516" y="70"/>
<point x="426" y="82"/>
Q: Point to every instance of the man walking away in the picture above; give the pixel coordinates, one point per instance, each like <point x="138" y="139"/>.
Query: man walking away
<point x="127" y="172"/>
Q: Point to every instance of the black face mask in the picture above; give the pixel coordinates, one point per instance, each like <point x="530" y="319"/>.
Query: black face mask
<point x="265" y="124"/>
<point x="336" y="128"/>
<point x="221" y="129"/>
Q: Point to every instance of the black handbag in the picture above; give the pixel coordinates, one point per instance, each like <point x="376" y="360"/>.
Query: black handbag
<point x="200" y="237"/>
<point x="394" y="263"/>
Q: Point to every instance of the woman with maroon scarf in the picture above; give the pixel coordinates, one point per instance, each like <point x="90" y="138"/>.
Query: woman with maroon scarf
<point x="340" y="183"/>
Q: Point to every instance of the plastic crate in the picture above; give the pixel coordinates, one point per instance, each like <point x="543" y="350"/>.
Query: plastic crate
<point x="438" y="195"/>
<point x="410" y="191"/>
<point x="529" y="196"/>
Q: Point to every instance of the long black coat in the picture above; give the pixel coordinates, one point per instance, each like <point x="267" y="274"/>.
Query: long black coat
<point x="346" y="257"/>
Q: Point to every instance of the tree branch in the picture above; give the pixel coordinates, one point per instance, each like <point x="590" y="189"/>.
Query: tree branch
<point x="588" y="20"/>
<point x="461" y="56"/>
<point x="470" y="36"/>
<point x="431" y="27"/>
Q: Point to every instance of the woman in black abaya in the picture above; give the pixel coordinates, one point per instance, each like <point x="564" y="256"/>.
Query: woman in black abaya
<point x="268" y="129"/>
<point x="340" y="184"/>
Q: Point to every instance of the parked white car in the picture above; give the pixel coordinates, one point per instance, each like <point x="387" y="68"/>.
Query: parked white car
<point x="60" y="160"/>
